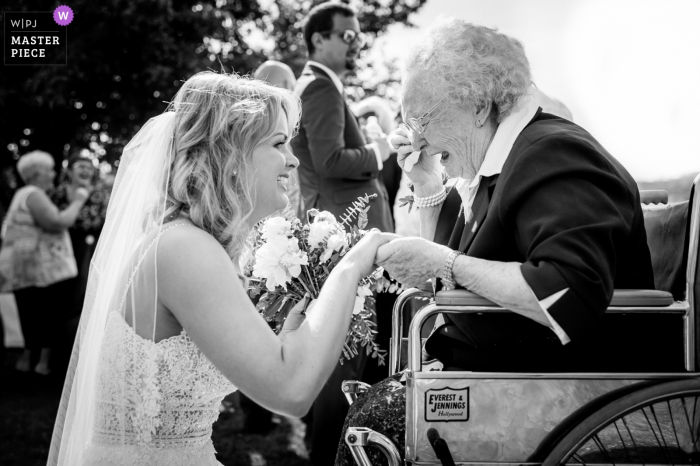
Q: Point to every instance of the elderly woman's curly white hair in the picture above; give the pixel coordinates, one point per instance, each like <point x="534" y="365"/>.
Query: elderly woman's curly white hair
<point x="473" y="64"/>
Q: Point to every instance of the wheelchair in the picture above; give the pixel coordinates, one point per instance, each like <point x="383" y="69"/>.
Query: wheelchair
<point x="647" y="417"/>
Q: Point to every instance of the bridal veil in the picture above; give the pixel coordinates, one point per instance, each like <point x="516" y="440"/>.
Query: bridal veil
<point x="136" y="209"/>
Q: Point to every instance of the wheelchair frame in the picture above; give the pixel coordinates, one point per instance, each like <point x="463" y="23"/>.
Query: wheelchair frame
<point x="460" y="301"/>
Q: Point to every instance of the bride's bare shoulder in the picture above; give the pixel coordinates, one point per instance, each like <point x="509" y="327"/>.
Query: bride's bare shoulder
<point x="186" y="242"/>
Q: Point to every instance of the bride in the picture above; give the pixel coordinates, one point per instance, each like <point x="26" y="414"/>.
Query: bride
<point x="167" y="329"/>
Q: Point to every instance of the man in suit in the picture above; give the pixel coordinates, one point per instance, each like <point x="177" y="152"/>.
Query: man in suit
<point x="337" y="165"/>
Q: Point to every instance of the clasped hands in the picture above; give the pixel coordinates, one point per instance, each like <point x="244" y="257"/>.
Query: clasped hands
<point x="412" y="260"/>
<point x="409" y="260"/>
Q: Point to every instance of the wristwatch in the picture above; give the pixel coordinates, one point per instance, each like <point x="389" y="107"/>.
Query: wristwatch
<point x="447" y="277"/>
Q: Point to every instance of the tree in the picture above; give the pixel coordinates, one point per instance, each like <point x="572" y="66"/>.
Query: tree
<point x="126" y="57"/>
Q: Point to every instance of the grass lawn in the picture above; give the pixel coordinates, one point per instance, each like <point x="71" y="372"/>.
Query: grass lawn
<point x="28" y="405"/>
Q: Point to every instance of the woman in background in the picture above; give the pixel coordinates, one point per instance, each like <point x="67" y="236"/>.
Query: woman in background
<point x="81" y="173"/>
<point x="36" y="259"/>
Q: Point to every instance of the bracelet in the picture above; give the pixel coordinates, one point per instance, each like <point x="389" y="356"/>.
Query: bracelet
<point x="430" y="201"/>
<point x="448" y="282"/>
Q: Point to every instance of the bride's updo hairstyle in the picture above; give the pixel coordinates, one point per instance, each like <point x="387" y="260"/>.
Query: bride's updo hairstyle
<point x="220" y="119"/>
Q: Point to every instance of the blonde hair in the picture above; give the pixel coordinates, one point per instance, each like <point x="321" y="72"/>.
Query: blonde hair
<point x="29" y="164"/>
<point x="220" y="120"/>
<point x="473" y="64"/>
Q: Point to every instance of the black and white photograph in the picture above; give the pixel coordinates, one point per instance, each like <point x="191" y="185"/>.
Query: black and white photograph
<point x="350" y="233"/>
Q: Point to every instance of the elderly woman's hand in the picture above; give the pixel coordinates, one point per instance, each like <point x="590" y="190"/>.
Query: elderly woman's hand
<point x="426" y="172"/>
<point x="412" y="261"/>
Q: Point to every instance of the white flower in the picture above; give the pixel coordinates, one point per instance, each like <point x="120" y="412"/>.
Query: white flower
<point x="295" y="258"/>
<point x="325" y="216"/>
<point x="335" y="243"/>
<point x="323" y="226"/>
<point x="318" y="232"/>
<point x="362" y="293"/>
<point x="277" y="226"/>
<point x="278" y="260"/>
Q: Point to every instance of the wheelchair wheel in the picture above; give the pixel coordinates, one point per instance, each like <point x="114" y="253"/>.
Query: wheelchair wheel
<point x="655" y="425"/>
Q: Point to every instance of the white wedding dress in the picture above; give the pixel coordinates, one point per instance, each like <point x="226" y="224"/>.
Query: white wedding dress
<point x="155" y="402"/>
<point x="129" y="400"/>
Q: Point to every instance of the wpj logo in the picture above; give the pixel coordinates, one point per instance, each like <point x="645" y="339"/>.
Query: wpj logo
<point x="37" y="37"/>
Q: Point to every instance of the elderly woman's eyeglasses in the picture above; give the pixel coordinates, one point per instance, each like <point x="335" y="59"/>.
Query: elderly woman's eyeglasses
<point x="418" y="125"/>
<point x="349" y="36"/>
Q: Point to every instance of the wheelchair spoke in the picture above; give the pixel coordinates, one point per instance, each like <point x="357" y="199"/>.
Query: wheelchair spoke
<point x="661" y="432"/>
<point x="695" y="404"/>
<point x="651" y="427"/>
<point x="673" y="424"/>
<point x="690" y="424"/>
<point x="622" y="441"/>
<point x="639" y="454"/>
<point x="578" y="458"/>
<point x="602" y="448"/>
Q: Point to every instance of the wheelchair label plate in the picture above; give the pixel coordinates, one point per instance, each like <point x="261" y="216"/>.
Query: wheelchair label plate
<point x="447" y="404"/>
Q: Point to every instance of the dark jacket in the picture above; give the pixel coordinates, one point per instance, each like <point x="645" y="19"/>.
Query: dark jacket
<point x="335" y="166"/>
<point x="568" y="211"/>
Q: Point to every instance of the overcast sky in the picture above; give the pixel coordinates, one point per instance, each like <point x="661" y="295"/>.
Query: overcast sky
<point x="629" y="70"/>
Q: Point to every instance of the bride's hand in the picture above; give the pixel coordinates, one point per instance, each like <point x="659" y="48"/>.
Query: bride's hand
<point x="296" y="316"/>
<point x="363" y="254"/>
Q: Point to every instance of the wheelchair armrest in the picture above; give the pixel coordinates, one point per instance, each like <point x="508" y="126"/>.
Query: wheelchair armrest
<point x="461" y="297"/>
<point x="637" y="298"/>
<point x="621" y="298"/>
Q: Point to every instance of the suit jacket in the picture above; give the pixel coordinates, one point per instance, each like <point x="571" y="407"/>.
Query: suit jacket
<point x="569" y="212"/>
<point x="335" y="166"/>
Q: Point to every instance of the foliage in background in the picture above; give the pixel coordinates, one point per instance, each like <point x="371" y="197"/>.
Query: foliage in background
<point x="126" y="58"/>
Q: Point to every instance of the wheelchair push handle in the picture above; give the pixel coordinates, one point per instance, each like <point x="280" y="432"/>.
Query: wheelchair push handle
<point x="352" y="388"/>
<point x="440" y="447"/>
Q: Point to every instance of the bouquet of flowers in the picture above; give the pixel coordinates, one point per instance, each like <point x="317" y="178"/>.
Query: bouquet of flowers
<point x="292" y="260"/>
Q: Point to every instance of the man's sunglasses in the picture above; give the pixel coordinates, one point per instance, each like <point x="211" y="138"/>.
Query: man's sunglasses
<point x="349" y="36"/>
<point x="418" y="125"/>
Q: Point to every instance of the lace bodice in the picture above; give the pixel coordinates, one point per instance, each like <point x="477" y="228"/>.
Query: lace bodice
<point x="155" y="402"/>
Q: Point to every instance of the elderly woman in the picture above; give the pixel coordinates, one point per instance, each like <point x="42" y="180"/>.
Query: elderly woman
<point x="37" y="258"/>
<point x="79" y="173"/>
<point x="541" y="220"/>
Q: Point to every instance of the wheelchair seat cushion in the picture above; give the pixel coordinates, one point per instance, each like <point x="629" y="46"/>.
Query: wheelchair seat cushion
<point x="666" y="234"/>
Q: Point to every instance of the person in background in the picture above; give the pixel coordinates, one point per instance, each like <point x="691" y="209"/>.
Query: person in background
<point x="281" y="75"/>
<point x="376" y="111"/>
<point x="81" y="173"/>
<point x="377" y="119"/>
<point x="338" y="164"/>
<point x="37" y="259"/>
